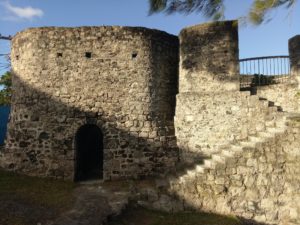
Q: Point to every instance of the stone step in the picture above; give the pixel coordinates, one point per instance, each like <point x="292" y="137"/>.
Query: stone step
<point x="270" y="123"/>
<point x="248" y="144"/>
<point x="275" y="121"/>
<point x="281" y="123"/>
<point x="265" y="134"/>
<point x="273" y="109"/>
<point x="269" y="104"/>
<point x="245" y="93"/>
<point x="201" y="168"/>
<point x="256" y="139"/>
<point x="182" y="178"/>
<point x="191" y="172"/>
<point x="289" y="116"/>
<point x="275" y="130"/>
<point x="237" y="148"/>
<point x="209" y="163"/>
<point x="264" y="102"/>
<point x="227" y="153"/>
<point x="223" y="146"/>
<point x="219" y="158"/>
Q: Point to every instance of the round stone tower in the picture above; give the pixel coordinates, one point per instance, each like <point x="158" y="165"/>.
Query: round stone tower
<point x="92" y="102"/>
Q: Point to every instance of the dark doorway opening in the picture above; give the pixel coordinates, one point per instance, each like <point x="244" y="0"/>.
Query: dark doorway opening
<point x="89" y="153"/>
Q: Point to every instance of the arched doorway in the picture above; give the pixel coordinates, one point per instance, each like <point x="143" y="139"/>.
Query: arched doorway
<point x="89" y="153"/>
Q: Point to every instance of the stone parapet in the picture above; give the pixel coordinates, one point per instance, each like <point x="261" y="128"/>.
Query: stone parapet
<point x="209" y="57"/>
<point x="294" y="53"/>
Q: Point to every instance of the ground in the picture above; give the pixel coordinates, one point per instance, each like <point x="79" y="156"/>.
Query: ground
<point x="134" y="215"/>
<point x="27" y="200"/>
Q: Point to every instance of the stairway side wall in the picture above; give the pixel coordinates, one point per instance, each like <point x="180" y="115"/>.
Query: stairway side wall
<point x="211" y="111"/>
<point x="260" y="184"/>
<point x="285" y="95"/>
<point x="206" y="121"/>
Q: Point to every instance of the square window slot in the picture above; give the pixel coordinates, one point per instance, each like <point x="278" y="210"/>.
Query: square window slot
<point x="88" y="55"/>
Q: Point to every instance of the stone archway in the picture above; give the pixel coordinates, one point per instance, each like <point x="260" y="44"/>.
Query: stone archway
<point x="89" y="153"/>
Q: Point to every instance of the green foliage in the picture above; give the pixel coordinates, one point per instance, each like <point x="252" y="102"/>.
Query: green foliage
<point x="210" y="8"/>
<point x="260" y="9"/>
<point x="214" y="9"/>
<point x="5" y="93"/>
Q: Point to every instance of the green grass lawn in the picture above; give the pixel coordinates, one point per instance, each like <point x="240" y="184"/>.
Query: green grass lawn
<point x="139" y="216"/>
<point x="28" y="200"/>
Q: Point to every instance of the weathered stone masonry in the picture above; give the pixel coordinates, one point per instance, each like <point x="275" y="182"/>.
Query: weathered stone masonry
<point x="251" y="146"/>
<point x="242" y="150"/>
<point x="121" y="79"/>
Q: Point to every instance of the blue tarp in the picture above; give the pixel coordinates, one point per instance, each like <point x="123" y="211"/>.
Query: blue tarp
<point x="4" y="114"/>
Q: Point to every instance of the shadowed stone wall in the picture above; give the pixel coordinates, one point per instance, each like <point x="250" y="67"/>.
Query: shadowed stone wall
<point x="122" y="79"/>
<point x="209" y="58"/>
<point x="294" y="52"/>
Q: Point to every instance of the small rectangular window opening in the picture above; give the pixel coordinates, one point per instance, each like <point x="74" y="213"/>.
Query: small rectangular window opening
<point x="59" y="54"/>
<point x="134" y="55"/>
<point x="88" y="55"/>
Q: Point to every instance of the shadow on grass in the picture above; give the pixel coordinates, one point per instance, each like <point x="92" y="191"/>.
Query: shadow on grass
<point x="136" y="215"/>
<point x="29" y="200"/>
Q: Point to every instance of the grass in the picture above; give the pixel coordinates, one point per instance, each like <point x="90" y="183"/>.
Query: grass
<point x="140" y="216"/>
<point x="27" y="200"/>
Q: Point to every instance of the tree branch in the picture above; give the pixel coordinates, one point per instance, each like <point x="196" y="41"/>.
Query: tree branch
<point x="8" y="38"/>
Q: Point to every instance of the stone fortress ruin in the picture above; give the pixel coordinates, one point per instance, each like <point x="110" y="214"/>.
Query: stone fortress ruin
<point x="126" y="102"/>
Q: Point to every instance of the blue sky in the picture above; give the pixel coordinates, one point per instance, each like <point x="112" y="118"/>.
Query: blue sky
<point x="268" y="39"/>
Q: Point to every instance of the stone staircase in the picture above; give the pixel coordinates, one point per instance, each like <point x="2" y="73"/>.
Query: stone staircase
<point x="233" y="150"/>
<point x="252" y="178"/>
<point x="235" y="178"/>
<point x="274" y="126"/>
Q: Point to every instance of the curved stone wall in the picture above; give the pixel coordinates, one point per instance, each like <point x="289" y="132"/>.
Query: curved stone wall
<point x="122" y="79"/>
<point x="209" y="55"/>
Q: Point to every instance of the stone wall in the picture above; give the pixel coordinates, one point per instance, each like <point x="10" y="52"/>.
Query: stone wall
<point x="285" y="95"/>
<point x="205" y="122"/>
<point x="294" y="52"/>
<point x="256" y="183"/>
<point x="209" y="58"/>
<point x="260" y="183"/>
<point x="122" y="79"/>
<point x="211" y="111"/>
